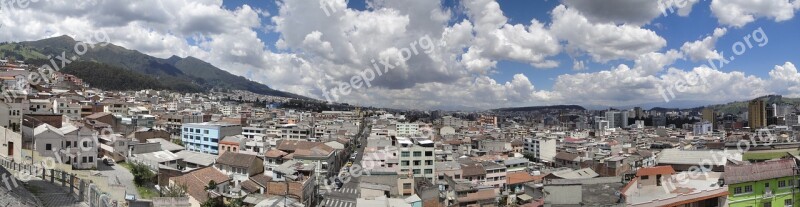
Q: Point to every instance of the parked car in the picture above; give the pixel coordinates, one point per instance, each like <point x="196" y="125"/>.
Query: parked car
<point x="108" y="161"/>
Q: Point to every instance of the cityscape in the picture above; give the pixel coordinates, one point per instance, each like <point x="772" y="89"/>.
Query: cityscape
<point x="384" y="103"/>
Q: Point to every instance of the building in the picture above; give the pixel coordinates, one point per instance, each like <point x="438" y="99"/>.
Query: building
<point x="416" y="157"/>
<point x="702" y="128"/>
<point x="767" y="183"/>
<point x="756" y="114"/>
<point x="662" y="186"/>
<point x="205" y="137"/>
<point x="407" y="129"/>
<point x="541" y="148"/>
<point x="709" y="116"/>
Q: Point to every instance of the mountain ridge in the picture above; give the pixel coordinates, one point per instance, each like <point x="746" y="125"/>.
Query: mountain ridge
<point x="189" y="71"/>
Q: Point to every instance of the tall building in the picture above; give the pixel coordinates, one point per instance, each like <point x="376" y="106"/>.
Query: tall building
<point x="543" y="149"/>
<point x="756" y="114"/>
<point x="617" y="119"/>
<point x="709" y="116"/>
<point x="639" y="112"/>
<point x="416" y="158"/>
<point x="205" y="137"/>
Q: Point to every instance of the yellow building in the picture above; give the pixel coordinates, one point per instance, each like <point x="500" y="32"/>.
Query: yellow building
<point x="756" y="115"/>
<point x="709" y="116"/>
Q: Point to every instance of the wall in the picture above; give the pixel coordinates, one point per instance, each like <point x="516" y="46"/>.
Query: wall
<point x="7" y="136"/>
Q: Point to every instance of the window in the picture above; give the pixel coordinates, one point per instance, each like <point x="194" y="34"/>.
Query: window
<point x="748" y="189"/>
<point x="428" y="153"/>
<point x="781" y="183"/>
<point x="186" y="129"/>
<point x="404" y="154"/>
<point x="428" y="171"/>
<point x="85" y="144"/>
<point x="416" y="172"/>
<point x="737" y="190"/>
<point x="205" y="139"/>
<point x="417" y="162"/>
<point x="768" y="204"/>
<point x="645" y="177"/>
<point x="787" y="202"/>
<point x="428" y="162"/>
<point x="404" y="163"/>
<point x="91" y="159"/>
<point x="417" y="154"/>
<point x="83" y="159"/>
<point x="48" y="147"/>
<point x="205" y="131"/>
<point x="406" y="185"/>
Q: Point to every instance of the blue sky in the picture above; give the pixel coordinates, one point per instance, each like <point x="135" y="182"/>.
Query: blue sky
<point x="677" y="30"/>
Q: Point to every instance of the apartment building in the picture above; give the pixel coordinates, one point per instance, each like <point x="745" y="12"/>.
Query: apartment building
<point x="543" y="149"/>
<point x="407" y="129"/>
<point x="205" y="137"/>
<point x="416" y="158"/>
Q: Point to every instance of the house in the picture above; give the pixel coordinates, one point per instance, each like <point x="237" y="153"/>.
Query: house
<point x="767" y="183"/>
<point x="563" y="159"/>
<point x="197" y="183"/>
<point x="317" y="153"/>
<point x="239" y="166"/>
<point x="232" y="143"/>
<point x="299" y="179"/>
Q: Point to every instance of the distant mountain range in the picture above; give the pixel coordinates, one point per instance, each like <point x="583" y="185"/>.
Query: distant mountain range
<point x="537" y="108"/>
<point x="101" y="64"/>
<point x="726" y="108"/>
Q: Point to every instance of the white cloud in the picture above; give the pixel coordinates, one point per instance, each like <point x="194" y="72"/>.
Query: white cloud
<point x="603" y="41"/>
<point x="634" y="12"/>
<point x="702" y="50"/>
<point x="738" y="13"/>
<point x="495" y="39"/>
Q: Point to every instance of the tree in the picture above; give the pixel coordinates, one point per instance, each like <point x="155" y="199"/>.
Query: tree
<point x="239" y="202"/>
<point x="213" y="202"/>
<point x="141" y="174"/>
<point x="174" y="191"/>
<point x="211" y="185"/>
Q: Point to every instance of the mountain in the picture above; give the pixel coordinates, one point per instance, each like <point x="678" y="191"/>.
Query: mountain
<point x="537" y="108"/>
<point x="183" y="74"/>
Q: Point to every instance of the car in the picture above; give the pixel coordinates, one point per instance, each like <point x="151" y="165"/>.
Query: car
<point x="108" y="161"/>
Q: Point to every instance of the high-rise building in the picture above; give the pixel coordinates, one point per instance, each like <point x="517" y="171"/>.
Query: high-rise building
<point x="709" y="116"/>
<point x="756" y="114"/>
<point x="616" y="119"/>
<point x="638" y="112"/>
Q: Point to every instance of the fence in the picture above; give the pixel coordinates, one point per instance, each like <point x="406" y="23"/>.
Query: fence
<point x="81" y="190"/>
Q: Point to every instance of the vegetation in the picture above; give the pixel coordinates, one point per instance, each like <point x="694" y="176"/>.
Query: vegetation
<point x="174" y="191"/>
<point x="211" y="185"/>
<point x="213" y="202"/>
<point x="182" y="74"/>
<point x="142" y="175"/>
<point x="145" y="192"/>
<point x="114" y="78"/>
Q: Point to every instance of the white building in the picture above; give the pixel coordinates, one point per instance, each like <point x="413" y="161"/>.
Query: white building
<point x="407" y="129"/>
<point x="542" y="148"/>
<point x="702" y="128"/>
<point x="416" y="158"/>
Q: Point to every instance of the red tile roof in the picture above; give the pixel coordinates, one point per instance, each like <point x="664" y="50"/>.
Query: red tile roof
<point x="660" y="170"/>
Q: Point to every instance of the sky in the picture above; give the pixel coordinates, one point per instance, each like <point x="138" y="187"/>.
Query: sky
<point x="453" y="54"/>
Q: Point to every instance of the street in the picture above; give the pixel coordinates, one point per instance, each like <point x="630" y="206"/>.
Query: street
<point x="349" y="193"/>
<point x="118" y="175"/>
